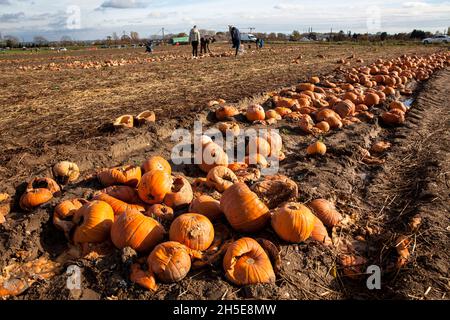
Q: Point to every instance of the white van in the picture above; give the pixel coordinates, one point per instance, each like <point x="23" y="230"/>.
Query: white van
<point x="247" y="37"/>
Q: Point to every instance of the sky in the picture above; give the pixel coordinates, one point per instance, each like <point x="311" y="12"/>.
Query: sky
<point x="96" y="19"/>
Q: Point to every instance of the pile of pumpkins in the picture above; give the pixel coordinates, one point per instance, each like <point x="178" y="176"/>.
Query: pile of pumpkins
<point x="179" y="225"/>
<point x="321" y="105"/>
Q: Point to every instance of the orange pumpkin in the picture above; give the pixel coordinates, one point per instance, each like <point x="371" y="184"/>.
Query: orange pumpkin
<point x="305" y="87"/>
<point x="325" y="113"/>
<point x="371" y="99"/>
<point x="243" y="209"/>
<point x="320" y="233"/>
<point x="229" y="128"/>
<point x="326" y="212"/>
<point x="345" y="108"/>
<point x="161" y="212"/>
<point x="255" y="112"/>
<point x="272" y="114"/>
<point x="283" y="111"/>
<point x="207" y="206"/>
<point x="193" y="230"/>
<point x="170" y="261"/>
<point x="236" y="166"/>
<point x="293" y="222"/>
<point x="393" y="118"/>
<point x="133" y="229"/>
<point x="397" y="105"/>
<point x="123" y="193"/>
<point x="126" y="175"/>
<point x="317" y="148"/>
<point x="117" y="205"/>
<point x="63" y="213"/>
<point x="247" y="263"/>
<point x="212" y="156"/>
<point x="180" y="194"/>
<point x="146" y="116"/>
<point x="156" y="163"/>
<point x="334" y="122"/>
<point x="380" y="146"/>
<point x="275" y="142"/>
<point x="226" y="112"/>
<point x="94" y="221"/>
<point x="323" y="126"/>
<point x="154" y="186"/>
<point x="221" y="178"/>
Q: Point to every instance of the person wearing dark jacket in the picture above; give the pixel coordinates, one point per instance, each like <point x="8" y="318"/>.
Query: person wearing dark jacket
<point x="235" y="38"/>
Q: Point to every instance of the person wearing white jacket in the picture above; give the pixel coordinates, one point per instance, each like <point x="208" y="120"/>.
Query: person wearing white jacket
<point x="194" y="39"/>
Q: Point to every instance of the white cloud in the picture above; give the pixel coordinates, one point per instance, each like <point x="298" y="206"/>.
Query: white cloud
<point x="415" y="4"/>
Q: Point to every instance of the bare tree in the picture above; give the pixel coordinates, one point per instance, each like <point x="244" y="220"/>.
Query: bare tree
<point x="134" y="36"/>
<point x="115" y="38"/>
<point x="40" y="40"/>
<point x="66" y="41"/>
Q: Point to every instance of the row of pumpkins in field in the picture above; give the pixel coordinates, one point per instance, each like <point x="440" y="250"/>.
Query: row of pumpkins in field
<point x="92" y="64"/>
<point x="139" y="205"/>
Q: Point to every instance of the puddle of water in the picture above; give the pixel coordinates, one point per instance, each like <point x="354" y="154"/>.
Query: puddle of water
<point x="408" y="102"/>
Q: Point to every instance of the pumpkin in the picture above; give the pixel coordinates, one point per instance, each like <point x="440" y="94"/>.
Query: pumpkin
<point x="283" y="111"/>
<point x="323" y="126"/>
<point x="361" y="107"/>
<point x="243" y="209"/>
<point x="170" y="261"/>
<point x="143" y="278"/>
<point x="306" y="124"/>
<point x="397" y="105"/>
<point x="157" y="163"/>
<point x="293" y="222"/>
<point x="146" y="116"/>
<point x="38" y="191"/>
<point x="5" y="206"/>
<point x="193" y="230"/>
<point x="126" y="175"/>
<point x="246" y="263"/>
<point x="256" y="160"/>
<point x="380" y="147"/>
<point x="236" y="166"/>
<point x="63" y="213"/>
<point x="389" y="91"/>
<point x="393" y="118"/>
<point x="135" y="230"/>
<point x="226" y="112"/>
<point x="325" y="113"/>
<point x="258" y="145"/>
<point x="320" y="233"/>
<point x="117" y="205"/>
<point x="326" y="212"/>
<point x="275" y="190"/>
<point x="371" y="99"/>
<point x="154" y="186"/>
<point x="344" y="108"/>
<point x="255" y="112"/>
<point x="229" y="128"/>
<point x="334" y="122"/>
<point x="221" y="178"/>
<point x="123" y="193"/>
<point x="65" y="172"/>
<point x="272" y="114"/>
<point x="314" y="80"/>
<point x="161" y="212"/>
<point x="305" y="87"/>
<point x="285" y="103"/>
<point x="125" y="121"/>
<point x="93" y="221"/>
<point x="212" y="156"/>
<point x="317" y="148"/>
<point x="207" y="206"/>
<point x="180" y="194"/>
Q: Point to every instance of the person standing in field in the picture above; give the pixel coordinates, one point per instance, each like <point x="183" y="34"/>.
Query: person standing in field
<point x="235" y="38"/>
<point x="194" y="39"/>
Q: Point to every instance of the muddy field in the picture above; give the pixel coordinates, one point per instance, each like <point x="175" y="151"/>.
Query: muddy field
<point x="52" y="115"/>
